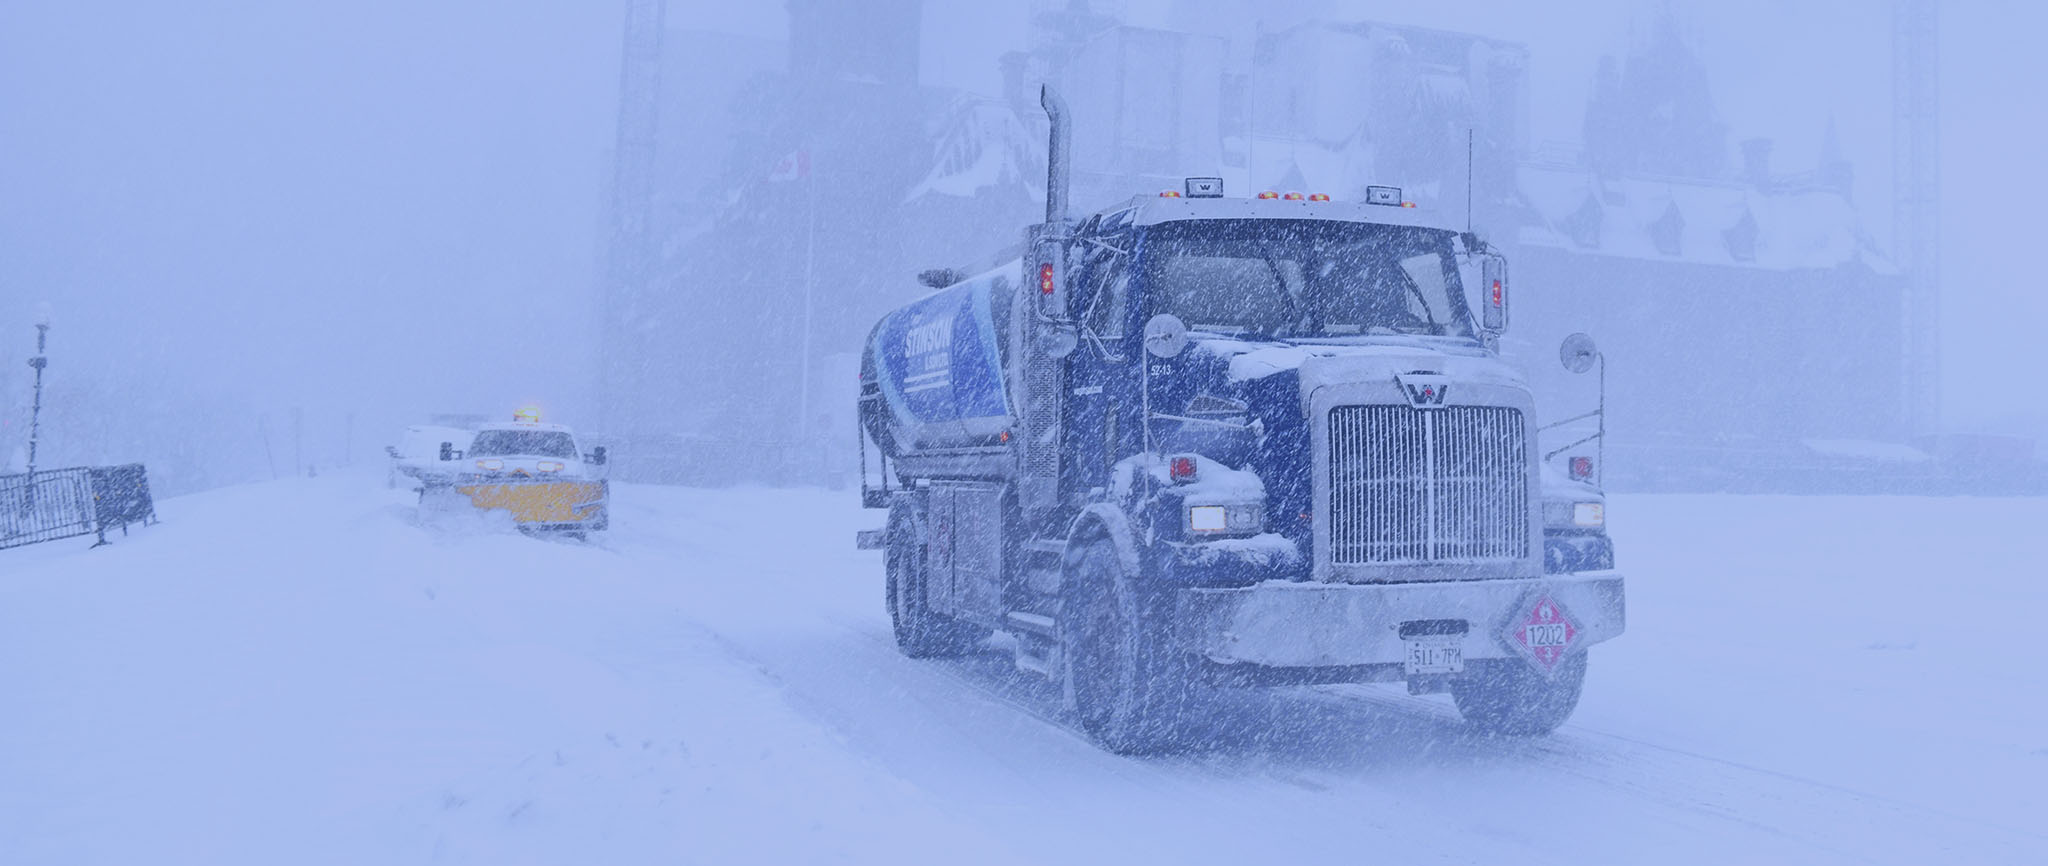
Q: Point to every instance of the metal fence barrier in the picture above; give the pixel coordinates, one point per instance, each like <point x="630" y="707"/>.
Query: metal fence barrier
<point x="63" y="503"/>
<point x="45" y="506"/>
<point x="120" y="496"/>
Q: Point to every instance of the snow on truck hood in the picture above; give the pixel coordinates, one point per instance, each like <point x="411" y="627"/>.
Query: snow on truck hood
<point x="1322" y="364"/>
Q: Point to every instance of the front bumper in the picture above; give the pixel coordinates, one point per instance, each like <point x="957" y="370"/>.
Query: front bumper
<point x="1306" y="624"/>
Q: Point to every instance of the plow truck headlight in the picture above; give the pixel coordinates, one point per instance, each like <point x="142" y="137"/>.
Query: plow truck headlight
<point x="1208" y="518"/>
<point x="1589" y="514"/>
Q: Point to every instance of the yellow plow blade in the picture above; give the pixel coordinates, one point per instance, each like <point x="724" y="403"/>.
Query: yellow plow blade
<point x="541" y="501"/>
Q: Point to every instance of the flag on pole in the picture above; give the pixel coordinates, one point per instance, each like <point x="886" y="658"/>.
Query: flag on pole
<point x="796" y="165"/>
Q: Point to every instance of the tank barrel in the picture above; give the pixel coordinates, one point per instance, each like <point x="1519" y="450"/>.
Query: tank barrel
<point x="1056" y="154"/>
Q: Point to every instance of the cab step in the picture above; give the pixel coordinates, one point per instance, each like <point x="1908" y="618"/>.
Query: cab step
<point x="1037" y="643"/>
<point x="1032" y="623"/>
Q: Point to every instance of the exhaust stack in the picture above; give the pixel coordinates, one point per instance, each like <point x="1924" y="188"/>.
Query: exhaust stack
<point x="1056" y="155"/>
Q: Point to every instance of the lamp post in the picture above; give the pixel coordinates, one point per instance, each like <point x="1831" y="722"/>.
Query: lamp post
<point x="35" y="416"/>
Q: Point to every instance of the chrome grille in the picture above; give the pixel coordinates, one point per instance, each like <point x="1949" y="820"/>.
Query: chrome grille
<point x="1426" y="485"/>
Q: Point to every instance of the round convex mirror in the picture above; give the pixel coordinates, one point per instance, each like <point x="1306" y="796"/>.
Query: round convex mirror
<point x="1166" y="336"/>
<point x="1058" y="341"/>
<point x="1578" y="353"/>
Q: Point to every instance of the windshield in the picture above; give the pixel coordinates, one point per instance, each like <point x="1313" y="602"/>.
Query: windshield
<point x="522" y="443"/>
<point x="1305" y="278"/>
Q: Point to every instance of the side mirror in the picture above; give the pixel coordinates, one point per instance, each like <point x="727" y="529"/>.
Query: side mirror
<point x="1493" y="301"/>
<point x="597" y="456"/>
<point x="447" y="451"/>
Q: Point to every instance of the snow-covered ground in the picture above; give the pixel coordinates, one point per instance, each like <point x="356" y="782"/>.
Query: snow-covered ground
<point x="303" y="672"/>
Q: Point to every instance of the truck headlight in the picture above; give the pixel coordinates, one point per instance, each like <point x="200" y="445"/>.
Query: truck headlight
<point x="1581" y="515"/>
<point x="1242" y="519"/>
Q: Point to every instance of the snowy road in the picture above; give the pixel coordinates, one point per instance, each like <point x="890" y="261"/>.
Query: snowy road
<point x="302" y="672"/>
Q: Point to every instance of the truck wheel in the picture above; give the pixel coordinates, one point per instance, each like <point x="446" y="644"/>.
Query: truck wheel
<point x="1133" y="690"/>
<point x="1509" y="697"/>
<point x="920" y="631"/>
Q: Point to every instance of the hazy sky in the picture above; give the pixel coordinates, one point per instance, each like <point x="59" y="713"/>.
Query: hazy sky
<point x="340" y="202"/>
<point x="394" y="205"/>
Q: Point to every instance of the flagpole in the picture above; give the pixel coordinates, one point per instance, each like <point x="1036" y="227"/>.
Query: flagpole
<point x="810" y="248"/>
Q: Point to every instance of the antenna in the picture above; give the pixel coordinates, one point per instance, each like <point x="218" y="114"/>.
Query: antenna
<point x="1468" y="180"/>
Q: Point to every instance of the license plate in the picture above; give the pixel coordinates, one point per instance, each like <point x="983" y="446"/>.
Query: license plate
<point x="1436" y="654"/>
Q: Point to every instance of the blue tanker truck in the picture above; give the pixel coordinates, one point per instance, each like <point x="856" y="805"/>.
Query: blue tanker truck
<point x="1193" y="442"/>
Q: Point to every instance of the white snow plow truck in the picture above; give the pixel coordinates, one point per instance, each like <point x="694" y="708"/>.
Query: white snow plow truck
<point x="535" y="472"/>
<point x="1192" y="441"/>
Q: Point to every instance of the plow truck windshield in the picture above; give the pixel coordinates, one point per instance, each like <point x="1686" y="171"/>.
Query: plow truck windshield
<point x="522" y="443"/>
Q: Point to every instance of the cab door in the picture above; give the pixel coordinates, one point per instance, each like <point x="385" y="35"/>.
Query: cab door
<point x="1099" y="375"/>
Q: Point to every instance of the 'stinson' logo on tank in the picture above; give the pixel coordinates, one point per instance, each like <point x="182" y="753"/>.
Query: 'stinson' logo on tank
<point x="928" y="353"/>
<point x="924" y="338"/>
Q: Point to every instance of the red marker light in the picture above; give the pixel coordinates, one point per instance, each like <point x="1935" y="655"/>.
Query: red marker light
<point x="1269" y="194"/>
<point x="1407" y="204"/>
<point x="1582" y="468"/>
<point x="1045" y="278"/>
<point x="1318" y="196"/>
<point x="1293" y="196"/>
<point x="1496" y="293"/>
<point x="1181" y="469"/>
<point x="1169" y="193"/>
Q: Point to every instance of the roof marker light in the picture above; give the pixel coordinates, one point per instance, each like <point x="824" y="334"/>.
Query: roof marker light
<point x="1169" y="193"/>
<point x="1407" y="204"/>
<point x="1318" y="196"/>
<point x="1269" y="194"/>
<point x="1292" y="196"/>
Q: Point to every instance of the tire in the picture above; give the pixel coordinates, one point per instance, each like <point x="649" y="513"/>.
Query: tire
<point x="1133" y="691"/>
<point x="1508" y="697"/>
<point x="920" y="631"/>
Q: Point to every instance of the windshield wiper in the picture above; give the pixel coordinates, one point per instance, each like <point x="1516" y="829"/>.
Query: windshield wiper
<point x="1428" y="314"/>
<point x="1279" y="282"/>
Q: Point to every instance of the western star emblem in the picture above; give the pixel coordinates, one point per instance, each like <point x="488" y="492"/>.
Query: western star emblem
<point x="1424" y="390"/>
<point x="1544" y="633"/>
